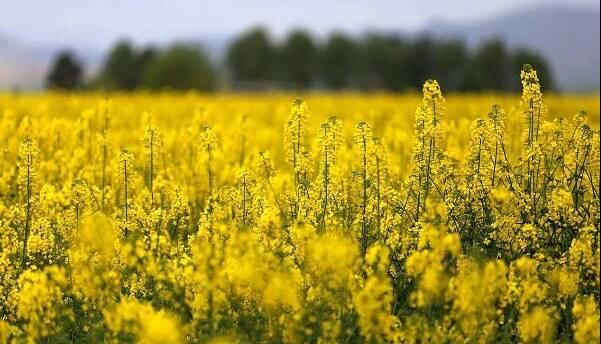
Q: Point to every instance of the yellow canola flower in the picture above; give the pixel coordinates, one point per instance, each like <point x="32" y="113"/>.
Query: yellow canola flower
<point x="537" y="326"/>
<point x="130" y="317"/>
<point x="586" y="327"/>
<point x="401" y="218"/>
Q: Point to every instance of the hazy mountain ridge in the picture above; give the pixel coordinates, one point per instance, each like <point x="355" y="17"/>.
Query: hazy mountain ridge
<point x="567" y="37"/>
<point x="20" y="66"/>
<point x="25" y="66"/>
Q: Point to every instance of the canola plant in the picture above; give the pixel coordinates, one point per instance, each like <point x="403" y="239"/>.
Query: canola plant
<point x="342" y="218"/>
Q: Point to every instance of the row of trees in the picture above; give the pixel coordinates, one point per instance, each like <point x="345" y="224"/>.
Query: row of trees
<point x="126" y="68"/>
<point x="376" y="61"/>
<point x="180" y="66"/>
<point x="255" y="61"/>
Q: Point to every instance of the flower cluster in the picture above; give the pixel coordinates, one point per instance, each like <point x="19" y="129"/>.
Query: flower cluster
<point x="401" y="219"/>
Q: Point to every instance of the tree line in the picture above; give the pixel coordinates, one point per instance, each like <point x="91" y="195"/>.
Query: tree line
<point x="255" y="61"/>
<point x="178" y="67"/>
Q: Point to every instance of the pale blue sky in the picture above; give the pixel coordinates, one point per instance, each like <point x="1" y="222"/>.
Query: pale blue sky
<point x="98" y="23"/>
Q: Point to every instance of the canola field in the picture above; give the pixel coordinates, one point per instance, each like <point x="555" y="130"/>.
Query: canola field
<point x="339" y="218"/>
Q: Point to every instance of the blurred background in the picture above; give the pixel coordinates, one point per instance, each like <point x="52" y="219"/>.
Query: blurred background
<point x="282" y="45"/>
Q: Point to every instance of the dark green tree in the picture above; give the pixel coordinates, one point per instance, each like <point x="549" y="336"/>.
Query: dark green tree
<point x="180" y="67"/>
<point x="450" y="63"/>
<point x="383" y="63"/>
<point x="338" y="61"/>
<point x="142" y="59"/>
<point x="490" y="67"/>
<point x="124" y="66"/>
<point x="66" y="72"/>
<point x="521" y="57"/>
<point x="118" y="70"/>
<point x="421" y="59"/>
<point x="251" y="56"/>
<point x="297" y="58"/>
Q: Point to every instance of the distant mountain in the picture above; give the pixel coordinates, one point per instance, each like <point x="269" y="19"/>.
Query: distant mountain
<point x="20" y="67"/>
<point x="568" y="37"/>
<point x="25" y="67"/>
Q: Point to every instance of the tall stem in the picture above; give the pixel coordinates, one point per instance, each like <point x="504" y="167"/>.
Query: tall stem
<point x="326" y="178"/>
<point x="364" y="205"/>
<point x="28" y="210"/>
<point x="210" y="175"/>
<point x="104" y="159"/>
<point x="244" y="199"/>
<point x="378" y="196"/>
<point x="125" y="185"/>
<point x="296" y="171"/>
<point x="104" y="156"/>
<point x="151" y="169"/>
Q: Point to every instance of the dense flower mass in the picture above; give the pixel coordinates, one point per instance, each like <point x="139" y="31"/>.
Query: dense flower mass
<point x="347" y="218"/>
